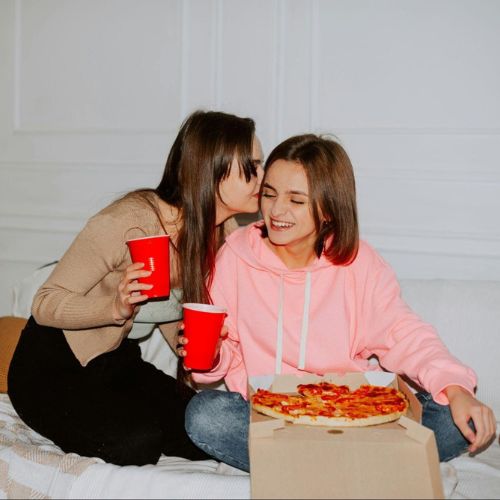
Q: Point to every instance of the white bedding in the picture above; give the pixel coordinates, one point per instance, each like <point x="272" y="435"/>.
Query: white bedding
<point x="33" y="467"/>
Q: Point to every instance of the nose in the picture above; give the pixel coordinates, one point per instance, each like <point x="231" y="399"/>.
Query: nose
<point x="278" y="206"/>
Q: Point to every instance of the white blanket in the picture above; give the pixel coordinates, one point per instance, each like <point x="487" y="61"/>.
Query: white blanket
<point x="33" y="467"/>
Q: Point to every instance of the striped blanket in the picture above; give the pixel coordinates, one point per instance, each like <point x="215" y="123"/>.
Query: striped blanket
<point x="32" y="466"/>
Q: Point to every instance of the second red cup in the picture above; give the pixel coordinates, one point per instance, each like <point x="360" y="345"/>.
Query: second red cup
<point x="154" y="252"/>
<point x="202" y="327"/>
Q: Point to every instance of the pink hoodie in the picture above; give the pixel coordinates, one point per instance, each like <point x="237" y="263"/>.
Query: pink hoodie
<point x="321" y="318"/>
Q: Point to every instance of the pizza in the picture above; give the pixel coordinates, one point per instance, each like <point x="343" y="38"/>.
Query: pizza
<point x="333" y="405"/>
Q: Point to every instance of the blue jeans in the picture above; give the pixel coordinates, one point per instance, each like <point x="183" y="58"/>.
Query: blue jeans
<point x="217" y="422"/>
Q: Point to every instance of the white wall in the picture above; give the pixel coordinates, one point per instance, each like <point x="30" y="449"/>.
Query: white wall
<point x="92" y="93"/>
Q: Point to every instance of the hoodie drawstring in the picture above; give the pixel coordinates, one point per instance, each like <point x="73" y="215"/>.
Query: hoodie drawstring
<point x="279" y="332"/>
<point x="304" y="329"/>
<point x="305" y="323"/>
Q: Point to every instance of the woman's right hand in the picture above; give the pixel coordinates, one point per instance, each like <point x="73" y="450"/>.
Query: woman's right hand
<point x="182" y="341"/>
<point x="129" y="291"/>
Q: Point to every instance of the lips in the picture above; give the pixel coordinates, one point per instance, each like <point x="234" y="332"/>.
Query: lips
<point x="281" y="225"/>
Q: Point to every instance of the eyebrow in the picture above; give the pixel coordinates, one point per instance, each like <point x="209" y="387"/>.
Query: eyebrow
<point x="292" y="191"/>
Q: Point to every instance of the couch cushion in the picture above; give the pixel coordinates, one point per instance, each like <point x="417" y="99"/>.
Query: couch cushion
<point x="466" y="315"/>
<point x="10" y="331"/>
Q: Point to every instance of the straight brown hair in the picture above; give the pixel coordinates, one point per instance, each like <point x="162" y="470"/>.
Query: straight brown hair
<point x="199" y="160"/>
<point x="332" y="193"/>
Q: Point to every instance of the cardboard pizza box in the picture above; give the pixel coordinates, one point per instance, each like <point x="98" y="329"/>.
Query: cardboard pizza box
<point x="392" y="460"/>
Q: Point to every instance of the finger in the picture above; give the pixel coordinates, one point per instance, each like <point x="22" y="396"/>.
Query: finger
<point x="480" y="434"/>
<point x="135" y="275"/>
<point x="489" y="428"/>
<point x="464" y="428"/>
<point x="481" y="418"/>
<point x="134" y="287"/>
<point x="134" y="266"/>
<point x="183" y="340"/>
<point x="181" y="352"/>
<point x="135" y="299"/>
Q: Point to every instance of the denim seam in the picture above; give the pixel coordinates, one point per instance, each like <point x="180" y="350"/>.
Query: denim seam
<point x="216" y="453"/>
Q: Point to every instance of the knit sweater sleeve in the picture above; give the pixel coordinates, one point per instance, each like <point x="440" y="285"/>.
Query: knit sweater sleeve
<point x="68" y="298"/>
<point x="403" y="342"/>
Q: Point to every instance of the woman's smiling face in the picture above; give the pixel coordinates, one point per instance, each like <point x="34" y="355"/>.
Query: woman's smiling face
<point x="286" y="207"/>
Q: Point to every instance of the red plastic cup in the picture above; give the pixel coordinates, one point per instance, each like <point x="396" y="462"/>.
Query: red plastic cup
<point x="202" y="327"/>
<point x="154" y="252"/>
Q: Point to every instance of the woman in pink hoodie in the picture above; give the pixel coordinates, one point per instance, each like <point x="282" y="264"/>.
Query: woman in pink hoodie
<point x="303" y="294"/>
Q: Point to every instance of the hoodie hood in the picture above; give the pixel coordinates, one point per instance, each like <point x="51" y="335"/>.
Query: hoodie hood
<point x="249" y="245"/>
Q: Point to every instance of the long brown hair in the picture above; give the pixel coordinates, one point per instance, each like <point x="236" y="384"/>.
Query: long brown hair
<point x="332" y="192"/>
<point x="199" y="160"/>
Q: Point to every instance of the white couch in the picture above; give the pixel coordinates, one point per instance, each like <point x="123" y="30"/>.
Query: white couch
<point x="466" y="314"/>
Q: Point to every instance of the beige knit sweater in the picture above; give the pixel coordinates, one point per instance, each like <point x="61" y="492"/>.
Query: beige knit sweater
<point x="78" y="296"/>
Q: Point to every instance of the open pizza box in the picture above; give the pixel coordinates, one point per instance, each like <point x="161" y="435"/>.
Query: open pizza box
<point x="392" y="460"/>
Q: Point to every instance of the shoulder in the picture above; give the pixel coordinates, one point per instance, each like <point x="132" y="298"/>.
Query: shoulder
<point x="130" y="216"/>
<point x="239" y="235"/>
<point x="239" y="243"/>
<point x="368" y="260"/>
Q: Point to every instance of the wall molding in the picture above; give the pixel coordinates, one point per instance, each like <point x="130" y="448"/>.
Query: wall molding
<point x="58" y="166"/>
<point x="417" y="130"/>
<point x="184" y="7"/>
<point x="315" y="49"/>
<point x="399" y="232"/>
<point x="435" y="174"/>
<point x="437" y="253"/>
<point x="278" y="74"/>
<point x="216" y="52"/>
<point x="47" y="222"/>
<point x="19" y="129"/>
<point x="29" y="262"/>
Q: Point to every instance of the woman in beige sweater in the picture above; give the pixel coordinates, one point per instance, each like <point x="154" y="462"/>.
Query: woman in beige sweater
<point x="75" y="376"/>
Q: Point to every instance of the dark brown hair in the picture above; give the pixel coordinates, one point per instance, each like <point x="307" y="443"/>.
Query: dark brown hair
<point x="332" y="192"/>
<point x="199" y="160"/>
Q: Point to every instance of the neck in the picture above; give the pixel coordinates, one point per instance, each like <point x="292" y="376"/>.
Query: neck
<point x="294" y="257"/>
<point x="222" y="213"/>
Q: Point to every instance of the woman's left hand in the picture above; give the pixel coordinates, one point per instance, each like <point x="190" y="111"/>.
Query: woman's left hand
<point x="464" y="407"/>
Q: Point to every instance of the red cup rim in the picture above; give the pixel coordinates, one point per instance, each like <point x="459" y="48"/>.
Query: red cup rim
<point x="150" y="237"/>
<point x="209" y="308"/>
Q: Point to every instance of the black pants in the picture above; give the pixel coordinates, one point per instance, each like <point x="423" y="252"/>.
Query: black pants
<point x="118" y="408"/>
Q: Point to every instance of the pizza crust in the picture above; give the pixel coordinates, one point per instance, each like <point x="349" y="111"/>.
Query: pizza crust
<point x="329" y="421"/>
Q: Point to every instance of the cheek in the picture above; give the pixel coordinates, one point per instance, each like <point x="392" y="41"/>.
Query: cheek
<point x="264" y="207"/>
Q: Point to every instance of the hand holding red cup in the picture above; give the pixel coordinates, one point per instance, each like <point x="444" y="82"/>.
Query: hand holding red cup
<point x="154" y="253"/>
<point x="202" y="332"/>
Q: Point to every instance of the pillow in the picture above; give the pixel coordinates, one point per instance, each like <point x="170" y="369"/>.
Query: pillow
<point x="25" y="290"/>
<point x="10" y="331"/>
<point x="467" y="318"/>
